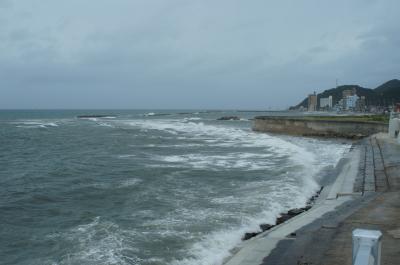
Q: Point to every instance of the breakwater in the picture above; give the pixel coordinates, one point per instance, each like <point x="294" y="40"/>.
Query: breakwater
<point x="319" y="126"/>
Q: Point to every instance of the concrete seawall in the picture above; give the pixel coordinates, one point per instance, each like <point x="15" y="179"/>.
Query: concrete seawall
<point x="255" y="250"/>
<point x="365" y="194"/>
<point x="374" y="204"/>
<point x="308" y="126"/>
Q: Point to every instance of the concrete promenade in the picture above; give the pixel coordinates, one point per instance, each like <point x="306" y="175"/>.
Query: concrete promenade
<point x="366" y="194"/>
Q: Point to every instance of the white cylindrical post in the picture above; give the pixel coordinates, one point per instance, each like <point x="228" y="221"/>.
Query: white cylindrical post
<point x="366" y="247"/>
<point x="394" y="127"/>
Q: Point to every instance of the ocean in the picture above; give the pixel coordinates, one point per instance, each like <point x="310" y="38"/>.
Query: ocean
<point x="146" y="187"/>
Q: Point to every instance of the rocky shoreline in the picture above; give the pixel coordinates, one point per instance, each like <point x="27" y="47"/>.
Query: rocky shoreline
<point x="283" y="217"/>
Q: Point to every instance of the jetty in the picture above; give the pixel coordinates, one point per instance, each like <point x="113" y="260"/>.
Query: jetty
<point x="365" y="194"/>
<point x="352" y="127"/>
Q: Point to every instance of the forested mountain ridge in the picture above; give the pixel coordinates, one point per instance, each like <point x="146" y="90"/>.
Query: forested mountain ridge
<point x="384" y="95"/>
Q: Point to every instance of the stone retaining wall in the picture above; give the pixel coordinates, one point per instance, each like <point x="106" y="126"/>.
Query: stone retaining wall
<point x="318" y="127"/>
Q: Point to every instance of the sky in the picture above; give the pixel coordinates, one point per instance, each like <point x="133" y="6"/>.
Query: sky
<point x="182" y="54"/>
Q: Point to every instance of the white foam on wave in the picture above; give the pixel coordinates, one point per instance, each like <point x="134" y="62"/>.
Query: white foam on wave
<point x="130" y="182"/>
<point x="185" y="145"/>
<point x="192" y="119"/>
<point x="216" y="134"/>
<point x="89" y="118"/>
<point x="35" y="124"/>
<point x="292" y="191"/>
<point x="225" y="200"/>
<point x="100" y="122"/>
<point x="317" y="154"/>
<point x="126" y="156"/>
<point x="173" y="126"/>
<point x="247" y="161"/>
<point x="98" y="242"/>
<point x="104" y="124"/>
<point x="214" y="248"/>
<point x="219" y="135"/>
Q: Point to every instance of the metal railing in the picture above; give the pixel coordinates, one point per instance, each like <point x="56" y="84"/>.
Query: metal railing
<point x="366" y="247"/>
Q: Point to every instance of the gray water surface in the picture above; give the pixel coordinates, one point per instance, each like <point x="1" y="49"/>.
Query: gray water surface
<point x="144" y="188"/>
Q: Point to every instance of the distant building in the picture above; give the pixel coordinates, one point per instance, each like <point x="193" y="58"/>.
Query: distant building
<point x="340" y="105"/>
<point x="325" y="103"/>
<point x="348" y="92"/>
<point x="312" y="102"/>
<point x="351" y="102"/>
<point x="350" y="99"/>
<point x="361" y="105"/>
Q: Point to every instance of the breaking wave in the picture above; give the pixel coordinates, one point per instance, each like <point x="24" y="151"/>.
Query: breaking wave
<point x="35" y="124"/>
<point x="305" y="164"/>
<point x="191" y="182"/>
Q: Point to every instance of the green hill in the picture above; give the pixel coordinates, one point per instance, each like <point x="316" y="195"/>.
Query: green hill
<point x="384" y="95"/>
<point x="389" y="92"/>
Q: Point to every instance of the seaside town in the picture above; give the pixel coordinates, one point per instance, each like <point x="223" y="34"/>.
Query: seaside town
<point x="354" y="99"/>
<point x="350" y="101"/>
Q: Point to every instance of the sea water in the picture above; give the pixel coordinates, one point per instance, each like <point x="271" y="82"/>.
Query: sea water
<point x="145" y="187"/>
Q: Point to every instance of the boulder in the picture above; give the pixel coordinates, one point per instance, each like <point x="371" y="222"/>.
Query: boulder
<point x="294" y="212"/>
<point x="265" y="227"/>
<point x="308" y="207"/>
<point x="247" y="236"/>
<point x="229" y="118"/>
<point x="283" y="218"/>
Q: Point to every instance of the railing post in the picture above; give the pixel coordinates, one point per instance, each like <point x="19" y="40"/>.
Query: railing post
<point x="366" y="247"/>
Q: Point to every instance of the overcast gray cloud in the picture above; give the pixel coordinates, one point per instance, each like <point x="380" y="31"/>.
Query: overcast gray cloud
<point x="191" y="54"/>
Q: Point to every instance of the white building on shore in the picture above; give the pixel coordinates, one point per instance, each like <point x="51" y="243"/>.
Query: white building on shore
<point x="325" y="103"/>
<point x="351" y="102"/>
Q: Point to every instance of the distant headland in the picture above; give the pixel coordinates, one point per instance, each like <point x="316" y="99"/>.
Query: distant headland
<point x="353" y="98"/>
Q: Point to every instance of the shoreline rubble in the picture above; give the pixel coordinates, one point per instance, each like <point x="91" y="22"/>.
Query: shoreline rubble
<point x="284" y="216"/>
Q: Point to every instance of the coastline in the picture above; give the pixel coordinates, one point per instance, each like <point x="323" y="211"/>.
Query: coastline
<point x="337" y="190"/>
<point x="212" y="228"/>
<point x="328" y="239"/>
